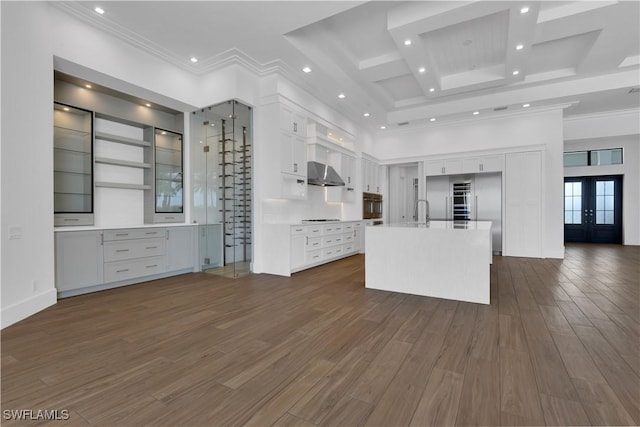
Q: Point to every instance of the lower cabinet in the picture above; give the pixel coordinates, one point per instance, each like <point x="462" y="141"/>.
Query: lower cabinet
<point x="78" y="259"/>
<point x="88" y="261"/>
<point x="312" y="245"/>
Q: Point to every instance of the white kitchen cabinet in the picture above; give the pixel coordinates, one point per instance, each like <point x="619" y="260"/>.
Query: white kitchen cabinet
<point x="439" y="197"/>
<point x="293" y="155"/>
<point x="180" y="246"/>
<point x="292" y="121"/>
<point x="78" y="259"/>
<point x="298" y="251"/>
<point x="443" y="167"/>
<point x="370" y="176"/>
<point x="483" y="164"/>
<point x="358" y="236"/>
<point x="523" y="205"/>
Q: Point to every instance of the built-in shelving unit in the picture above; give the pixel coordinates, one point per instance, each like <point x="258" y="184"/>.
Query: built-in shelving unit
<point x="116" y="162"/>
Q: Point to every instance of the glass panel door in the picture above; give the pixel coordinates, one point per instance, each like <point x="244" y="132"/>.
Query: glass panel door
<point x="222" y="198"/>
<point x="72" y="165"/>
<point x="593" y="209"/>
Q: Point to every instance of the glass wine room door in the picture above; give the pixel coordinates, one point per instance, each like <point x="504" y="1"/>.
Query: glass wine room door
<point x="222" y="187"/>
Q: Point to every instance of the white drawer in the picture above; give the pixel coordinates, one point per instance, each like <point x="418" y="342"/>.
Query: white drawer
<point x="123" y="270"/>
<point x="314" y="230"/>
<point x="348" y="227"/>
<point x="348" y="248"/>
<point x="298" y="229"/>
<point x="314" y="243"/>
<point x="331" y="229"/>
<point x="347" y="238"/>
<point x="314" y="256"/>
<point x="330" y="252"/>
<point x="130" y="249"/>
<point x="331" y="240"/>
<point x="357" y="225"/>
<point x="134" y="233"/>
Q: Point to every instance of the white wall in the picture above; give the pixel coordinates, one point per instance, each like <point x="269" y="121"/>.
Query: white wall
<point x="510" y="132"/>
<point x="619" y="129"/>
<point x="27" y="161"/>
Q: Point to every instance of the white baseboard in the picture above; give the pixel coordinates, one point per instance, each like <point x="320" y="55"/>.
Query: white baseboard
<point x="27" y="307"/>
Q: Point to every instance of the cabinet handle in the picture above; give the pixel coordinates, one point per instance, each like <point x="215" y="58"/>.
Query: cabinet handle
<point x="295" y="127"/>
<point x="151" y="232"/>
<point x="151" y="266"/>
<point x="122" y="234"/>
<point x="306" y="240"/>
<point x="101" y="238"/>
<point x="151" y="247"/>
<point x="122" y="250"/>
<point x="167" y="234"/>
<point x="443" y="169"/>
<point x="349" y="179"/>
<point x="71" y="219"/>
<point x="122" y="271"/>
<point x="295" y="167"/>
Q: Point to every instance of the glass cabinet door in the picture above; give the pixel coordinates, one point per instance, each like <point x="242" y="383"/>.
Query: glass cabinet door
<point x="72" y="165"/>
<point x="169" y="199"/>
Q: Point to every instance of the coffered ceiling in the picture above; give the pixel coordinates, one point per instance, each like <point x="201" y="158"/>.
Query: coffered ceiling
<point x="399" y="61"/>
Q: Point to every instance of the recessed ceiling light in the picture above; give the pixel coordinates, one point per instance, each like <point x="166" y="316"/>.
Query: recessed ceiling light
<point x="516" y="72"/>
<point x="147" y="104"/>
<point x="367" y="114"/>
<point x="432" y="90"/>
<point x="307" y="69"/>
<point x="330" y="134"/>
<point x="524" y="10"/>
<point x="99" y="10"/>
<point x="66" y="108"/>
<point x="475" y="113"/>
<point x="432" y="119"/>
<point x="88" y="86"/>
<point x="342" y="96"/>
<point x="340" y="139"/>
<point x="163" y="133"/>
<point x="194" y="59"/>
<point x="407" y="42"/>
<point x="422" y="70"/>
<point x="526" y="105"/>
<point x="520" y="47"/>
<point x="383" y="127"/>
<point x="213" y="124"/>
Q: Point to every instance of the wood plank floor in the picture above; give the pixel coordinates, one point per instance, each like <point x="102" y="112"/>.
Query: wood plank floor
<point x="559" y="345"/>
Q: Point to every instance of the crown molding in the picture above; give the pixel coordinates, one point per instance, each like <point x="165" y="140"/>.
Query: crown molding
<point x="604" y="114"/>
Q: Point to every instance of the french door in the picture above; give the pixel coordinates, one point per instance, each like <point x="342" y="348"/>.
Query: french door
<point x="593" y="209"/>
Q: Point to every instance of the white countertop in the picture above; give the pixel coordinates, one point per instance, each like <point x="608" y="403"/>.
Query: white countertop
<point x="442" y="225"/>
<point x="119" y="227"/>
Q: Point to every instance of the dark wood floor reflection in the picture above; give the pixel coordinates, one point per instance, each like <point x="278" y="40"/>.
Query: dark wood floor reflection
<point x="559" y="345"/>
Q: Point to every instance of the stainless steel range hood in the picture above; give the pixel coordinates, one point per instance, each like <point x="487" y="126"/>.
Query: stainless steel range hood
<point x="323" y="175"/>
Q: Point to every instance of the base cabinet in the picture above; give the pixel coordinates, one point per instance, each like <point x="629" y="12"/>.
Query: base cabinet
<point x="88" y="261"/>
<point x="78" y="259"/>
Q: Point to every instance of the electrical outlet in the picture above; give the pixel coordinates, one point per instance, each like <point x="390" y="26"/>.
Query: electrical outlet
<point x="15" y="232"/>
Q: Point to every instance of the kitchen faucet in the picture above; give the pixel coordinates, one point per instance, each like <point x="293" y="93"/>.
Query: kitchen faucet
<point x="426" y="216"/>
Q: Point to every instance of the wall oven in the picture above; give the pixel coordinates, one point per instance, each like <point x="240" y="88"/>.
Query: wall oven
<point x="371" y="206"/>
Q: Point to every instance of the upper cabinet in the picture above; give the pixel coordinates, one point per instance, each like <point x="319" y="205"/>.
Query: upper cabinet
<point x="168" y="203"/>
<point x="72" y="165"/>
<point x="345" y="166"/>
<point x="371" y="176"/>
<point x="479" y="164"/>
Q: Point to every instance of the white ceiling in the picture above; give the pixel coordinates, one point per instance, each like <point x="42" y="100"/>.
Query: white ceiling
<point x="582" y="53"/>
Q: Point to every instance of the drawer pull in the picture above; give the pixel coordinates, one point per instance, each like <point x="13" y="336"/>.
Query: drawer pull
<point x="151" y="247"/>
<point x="122" y="250"/>
<point x="122" y="234"/>
<point x="122" y="271"/>
<point x="151" y="266"/>
<point x="316" y="244"/>
<point x="71" y="219"/>
<point x="151" y="232"/>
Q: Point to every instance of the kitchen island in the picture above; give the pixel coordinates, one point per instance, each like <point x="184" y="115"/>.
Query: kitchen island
<point x="442" y="259"/>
